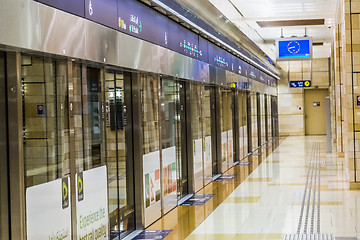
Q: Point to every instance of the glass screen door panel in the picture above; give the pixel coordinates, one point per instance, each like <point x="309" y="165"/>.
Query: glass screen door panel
<point x="181" y="163"/>
<point x="196" y="128"/>
<point x="245" y="124"/>
<point x="268" y="99"/>
<point x="4" y="161"/>
<point x="171" y="146"/>
<point x="120" y="180"/>
<point x="273" y="123"/>
<point x="258" y="109"/>
<point x="241" y="125"/>
<point x="215" y="114"/>
<point x="151" y="147"/>
<point x="263" y="119"/>
<point x="46" y="120"/>
<point x="46" y="142"/>
<point x="230" y="132"/>
<point x="94" y="137"/>
<point x="226" y="130"/>
<point x="254" y="122"/>
<point x="207" y="134"/>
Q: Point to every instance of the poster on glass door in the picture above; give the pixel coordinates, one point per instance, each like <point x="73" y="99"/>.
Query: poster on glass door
<point x="230" y="145"/>
<point x="92" y="204"/>
<point x="198" y="151"/>
<point x="224" y="146"/>
<point x="169" y="170"/>
<point x="151" y="173"/>
<point x="48" y="211"/>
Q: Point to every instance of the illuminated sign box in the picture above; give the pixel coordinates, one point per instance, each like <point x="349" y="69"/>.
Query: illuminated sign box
<point x="300" y="84"/>
<point x="290" y="49"/>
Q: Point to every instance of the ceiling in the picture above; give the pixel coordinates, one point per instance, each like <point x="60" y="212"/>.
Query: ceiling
<point x="246" y="13"/>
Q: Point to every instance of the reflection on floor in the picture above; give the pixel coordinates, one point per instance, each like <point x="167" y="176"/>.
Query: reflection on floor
<point x="292" y="190"/>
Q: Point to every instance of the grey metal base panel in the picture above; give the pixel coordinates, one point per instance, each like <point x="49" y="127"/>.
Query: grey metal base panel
<point x="247" y="163"/>
<point x="216" y="176"/>
<point x="184" y="199"/>
<point x="131" y="235"/>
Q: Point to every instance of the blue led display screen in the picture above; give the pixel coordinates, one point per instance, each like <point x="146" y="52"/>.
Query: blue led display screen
<point x="203" y="45"/>
<point x="218" y="57"/>
<point x="294" y="49"/>
<point x="184" y="41"/>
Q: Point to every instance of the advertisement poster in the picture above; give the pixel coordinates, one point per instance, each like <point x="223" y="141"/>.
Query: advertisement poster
<point x="48" y="211"/>
<point x="92" y="204"/>
<point x="198" y="151"/>
<point x="151" y="173"/>
<point x="241" y="143"/>
<point x="207" y="152"/>
<point x="224" y="146"/>
<point x="230" y="145"/>
<point x="169" y="170"/>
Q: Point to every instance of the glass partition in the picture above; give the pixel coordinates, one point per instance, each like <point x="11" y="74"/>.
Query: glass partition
<point x="263" y="119"/>
<point x="259" y="123"/>
<point x="151" y="147"/>
<point x="120" y="181"/>
<point x="241" y="112"/>
<point x="45" y="121"/>
<point x="93" y="129"/>
<point x="46" y="142"/>
<point x="171" y="141"/>
<point x="181" y="143"/>
<point x="196" y="128"/>
<point x="226" y="129"/>
<point x="245" y="124"/>
<point x="207" y="134"/>
<point x="254" y="122"/>
<point x="268" y="112"/>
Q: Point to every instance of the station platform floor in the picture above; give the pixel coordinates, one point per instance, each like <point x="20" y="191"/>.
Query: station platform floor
<point x="291" y="189"/>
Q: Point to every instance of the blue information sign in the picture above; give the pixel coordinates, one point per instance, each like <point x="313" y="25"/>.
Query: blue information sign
<point x="300" y="84"/>
<point x="102" y="11"/>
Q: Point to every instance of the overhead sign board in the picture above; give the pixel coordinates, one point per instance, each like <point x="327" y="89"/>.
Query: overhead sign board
<point x="300" y="84"/>
<point x="70" y="6"/>
<point x="138" y="20"/>
<point x="294" y="49"/>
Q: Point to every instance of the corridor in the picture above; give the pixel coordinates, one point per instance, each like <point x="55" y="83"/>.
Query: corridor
<point x="270" y="202"/>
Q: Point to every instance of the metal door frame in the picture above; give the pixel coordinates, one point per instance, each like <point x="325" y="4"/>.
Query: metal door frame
<point x="16" y="148"/>
<point x="4" y="162"/>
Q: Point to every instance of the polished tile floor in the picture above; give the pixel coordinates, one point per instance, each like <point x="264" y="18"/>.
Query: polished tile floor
<point x="296" y="188"/>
